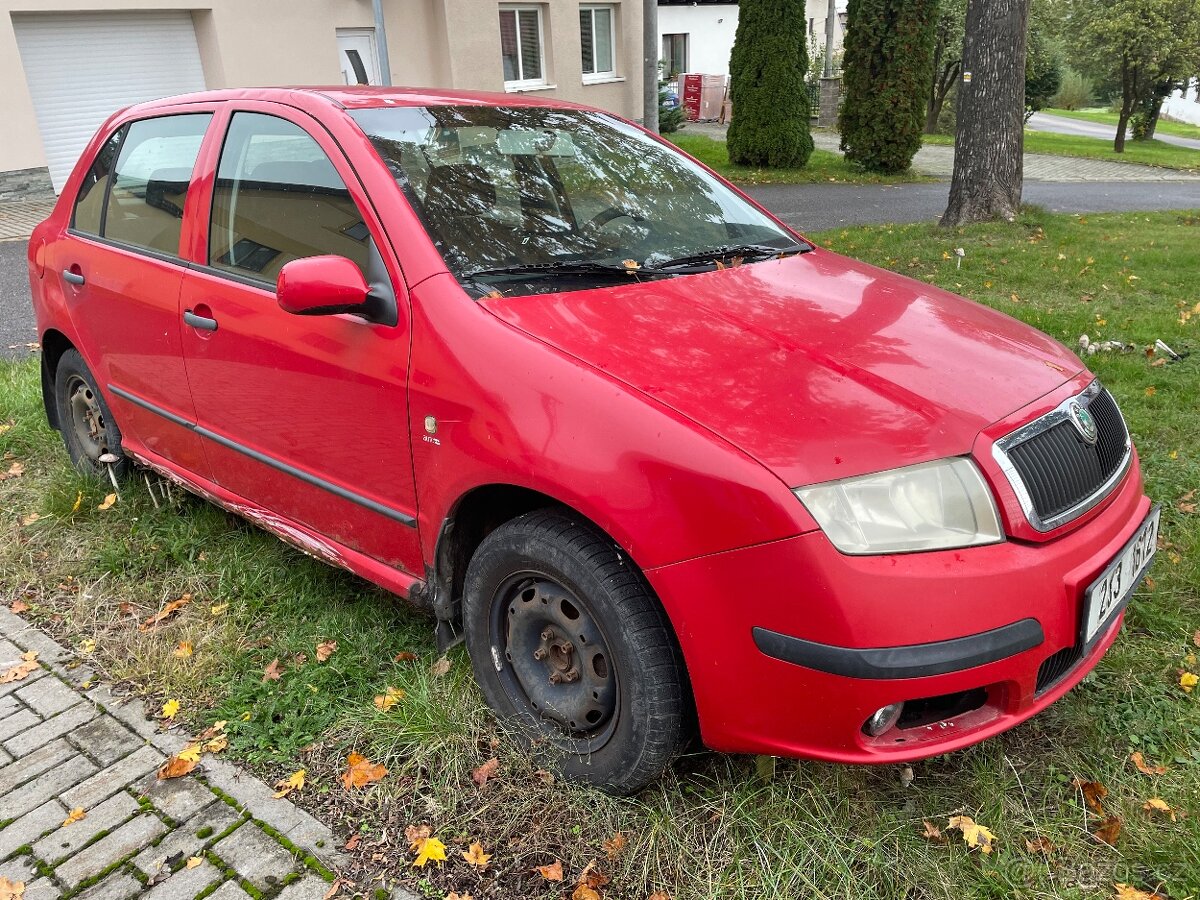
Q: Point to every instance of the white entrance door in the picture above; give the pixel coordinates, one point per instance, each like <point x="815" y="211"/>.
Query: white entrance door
<point x="356" y="53"/>
<point x="82" y="67"/>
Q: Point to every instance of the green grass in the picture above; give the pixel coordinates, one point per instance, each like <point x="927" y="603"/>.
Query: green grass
<point x="1146" y="153"/>
<point x="1106" y="117"/>
<point x="823" y="166"/>
<point x="715" y="825"/>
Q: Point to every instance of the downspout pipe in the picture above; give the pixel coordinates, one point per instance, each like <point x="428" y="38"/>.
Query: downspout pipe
<point x="381" y="47"/>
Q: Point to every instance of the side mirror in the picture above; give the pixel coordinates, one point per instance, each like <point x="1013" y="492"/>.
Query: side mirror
<point x="322" y="286"/>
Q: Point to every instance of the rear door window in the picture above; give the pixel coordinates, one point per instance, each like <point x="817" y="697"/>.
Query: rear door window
<point x="278" y="198"/>
<point x="150" y="182"/>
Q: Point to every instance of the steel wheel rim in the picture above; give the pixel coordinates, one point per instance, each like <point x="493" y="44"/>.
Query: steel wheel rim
<point x="554" y="661"/>
<point x="87" y="419"/>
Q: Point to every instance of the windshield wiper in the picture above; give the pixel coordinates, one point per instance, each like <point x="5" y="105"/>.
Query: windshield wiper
<point x="552" y="269"/>
<point x="729" y="251"/>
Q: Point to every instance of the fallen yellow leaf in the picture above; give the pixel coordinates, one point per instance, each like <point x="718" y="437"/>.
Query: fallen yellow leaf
<point x="166" y="612"/>
<point x="614" y="845"/>
<point x="184" y="649"/>
<point x="974" y="834"/>
<point x="175" y="767"/>
<point x="1142" y="766"/>
<point x="1129" y="892"/>
<point x="293" y="782"/>
<point x="388" y="699"/>
<point x="216" y="744"/>
<point x="170" y="709"/>
<point x="109" y="500"/>
<point x="430" y="850"/>
<point x="78" y="501"/>
<point x="361" y="771"/>
<point x="194" y="861"/>
<point x="217" y="608"/>
<point x="1188" y="680"/>
<point x="476" y="857"/>
<point x="22" y="670"/>
<point x="30" y="519"/>
<point x="87" y="645"/>
<point x="190" y="753"/>
<point x="1158" y="805"/>
<point x="11" y="890"/>
<point x="75" y="815"/>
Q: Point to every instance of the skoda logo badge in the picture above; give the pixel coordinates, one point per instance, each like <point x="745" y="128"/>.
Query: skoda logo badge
<point x="1083" y="421"/>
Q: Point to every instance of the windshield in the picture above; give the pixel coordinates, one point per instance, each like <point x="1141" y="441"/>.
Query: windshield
<point x="555" y="199"/>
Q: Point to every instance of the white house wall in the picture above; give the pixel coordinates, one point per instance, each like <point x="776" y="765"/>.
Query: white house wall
<point x="710" y="31"/>
<point x="1184" y="106"/>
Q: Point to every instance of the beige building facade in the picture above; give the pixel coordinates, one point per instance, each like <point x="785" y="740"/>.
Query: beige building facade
<point x="65" y="65"/>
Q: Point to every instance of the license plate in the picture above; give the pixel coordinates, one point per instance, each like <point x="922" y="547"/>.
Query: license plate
<point x="1110" y="592"/>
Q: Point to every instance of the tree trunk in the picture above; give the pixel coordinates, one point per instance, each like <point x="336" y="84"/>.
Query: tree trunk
<point x="943" y="81"/>
<point x="989" y="139"/>
<point x="1128" y="101"/>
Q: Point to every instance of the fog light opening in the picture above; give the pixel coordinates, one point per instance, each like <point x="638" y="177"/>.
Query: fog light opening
<point x="883" y="719"/>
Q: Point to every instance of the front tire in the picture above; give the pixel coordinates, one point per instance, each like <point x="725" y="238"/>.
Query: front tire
<point x="569" y="645"/>
<point x="84" y="419"/>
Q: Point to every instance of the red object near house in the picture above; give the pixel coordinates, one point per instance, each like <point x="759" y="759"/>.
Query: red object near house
<point x="702" y="96"/>
<point x="650" y="451"/>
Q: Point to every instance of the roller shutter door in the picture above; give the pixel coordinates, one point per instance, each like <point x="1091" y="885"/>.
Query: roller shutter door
<point x="81" y="67"/>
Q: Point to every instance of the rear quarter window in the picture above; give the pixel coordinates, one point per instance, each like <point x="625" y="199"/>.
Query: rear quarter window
<point x="89" y="205"/>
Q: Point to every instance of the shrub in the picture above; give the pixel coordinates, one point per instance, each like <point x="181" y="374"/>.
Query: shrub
<point x="770" y="100"/>
<point x="1075" y="92"/>
<point x="887" y="71"/>
<point x="670" y="109"/>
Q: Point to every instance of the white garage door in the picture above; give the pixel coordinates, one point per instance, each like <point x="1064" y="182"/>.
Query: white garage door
<point x="82" y="67"/>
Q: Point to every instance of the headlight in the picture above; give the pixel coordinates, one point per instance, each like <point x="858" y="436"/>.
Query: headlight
<point x="931" y="506"/>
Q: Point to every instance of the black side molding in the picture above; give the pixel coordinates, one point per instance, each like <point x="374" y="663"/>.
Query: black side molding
<point x="911" y="661"/>
<point x="299" y="474"/>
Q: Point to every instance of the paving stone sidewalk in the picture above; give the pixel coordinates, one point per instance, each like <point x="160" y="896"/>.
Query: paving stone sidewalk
<point x="938" y="161"/>
<point x="66" y="744"/>
<point x="18" y="218"/>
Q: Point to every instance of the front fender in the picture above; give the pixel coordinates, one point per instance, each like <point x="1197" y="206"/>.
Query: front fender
<point x="512" y="410"/>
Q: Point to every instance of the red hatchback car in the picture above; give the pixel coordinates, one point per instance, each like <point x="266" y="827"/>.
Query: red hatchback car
<point x="656" y="457"/>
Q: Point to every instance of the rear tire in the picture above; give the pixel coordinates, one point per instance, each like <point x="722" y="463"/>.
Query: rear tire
<point x="570" y="646"/>
<point x="84" y="419"/>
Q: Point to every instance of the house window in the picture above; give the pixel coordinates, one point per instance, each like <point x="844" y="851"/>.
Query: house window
<point x="596" y="37"/>
<point x="674" y="54"/>
<point x="521" y="46"/>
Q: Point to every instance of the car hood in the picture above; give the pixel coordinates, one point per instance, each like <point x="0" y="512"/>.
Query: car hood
<point x="818" y="366"/>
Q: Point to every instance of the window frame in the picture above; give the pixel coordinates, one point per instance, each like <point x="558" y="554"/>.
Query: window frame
<point x="246" y="277"/>
<point x="181" y="255"/>
<point x="598" y="76"/>
<point x="525" y="84"/>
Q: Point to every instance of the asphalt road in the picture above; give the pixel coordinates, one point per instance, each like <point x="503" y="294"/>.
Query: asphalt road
<point x="16" y="313"/>
<point x="1063" y="125"/>
<point x="809" y="208"/>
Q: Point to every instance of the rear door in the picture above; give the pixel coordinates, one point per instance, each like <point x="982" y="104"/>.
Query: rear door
<point x="122" y="272"/>
<point x="305" y="416"/>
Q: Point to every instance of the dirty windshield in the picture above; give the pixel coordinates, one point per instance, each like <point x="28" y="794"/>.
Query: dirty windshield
<point x="542" y="199"/>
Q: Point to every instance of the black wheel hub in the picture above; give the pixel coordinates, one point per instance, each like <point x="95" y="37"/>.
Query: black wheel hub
<point x="559" y="661"/>
<point x="87" y="419"/>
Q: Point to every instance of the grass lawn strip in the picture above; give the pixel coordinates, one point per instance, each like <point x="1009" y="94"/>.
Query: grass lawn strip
<point x="1146" y="153"/>
<point x="1105" y="117"/>
<point x="716" y="826"/>
<point x="823" y="166"/>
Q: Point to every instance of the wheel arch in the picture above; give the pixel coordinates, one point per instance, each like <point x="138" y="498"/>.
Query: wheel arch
<point x="54" y="345"/>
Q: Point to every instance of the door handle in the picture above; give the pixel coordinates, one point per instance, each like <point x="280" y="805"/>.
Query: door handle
<point x="204" y="323"/>
<point x="73" y="277"/>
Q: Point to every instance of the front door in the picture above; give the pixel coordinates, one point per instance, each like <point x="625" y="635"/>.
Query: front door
<point x="356" y="54"/>
<point x="305" y="416"/>
<point x="122" y="274"/>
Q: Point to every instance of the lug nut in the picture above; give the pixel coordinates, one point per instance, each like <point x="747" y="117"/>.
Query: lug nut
<point x="555" y="678"/>
<point x="539" y="653"/>
<point x="547" y="634"/>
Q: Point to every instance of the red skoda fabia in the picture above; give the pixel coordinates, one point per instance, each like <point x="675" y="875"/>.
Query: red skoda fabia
<point x="658" y="459"/>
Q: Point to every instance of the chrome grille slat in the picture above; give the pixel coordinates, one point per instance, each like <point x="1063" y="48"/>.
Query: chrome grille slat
<point x="1056" y="474"/>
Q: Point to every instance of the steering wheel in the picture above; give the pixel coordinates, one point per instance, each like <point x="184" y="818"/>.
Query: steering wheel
<point x="608" y="214"/>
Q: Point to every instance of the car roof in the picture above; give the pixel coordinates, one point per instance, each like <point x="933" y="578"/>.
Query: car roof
<point x="360" y="97"/>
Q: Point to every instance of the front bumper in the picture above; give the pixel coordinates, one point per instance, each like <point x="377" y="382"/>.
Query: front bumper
<point x="974" y="625"/>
